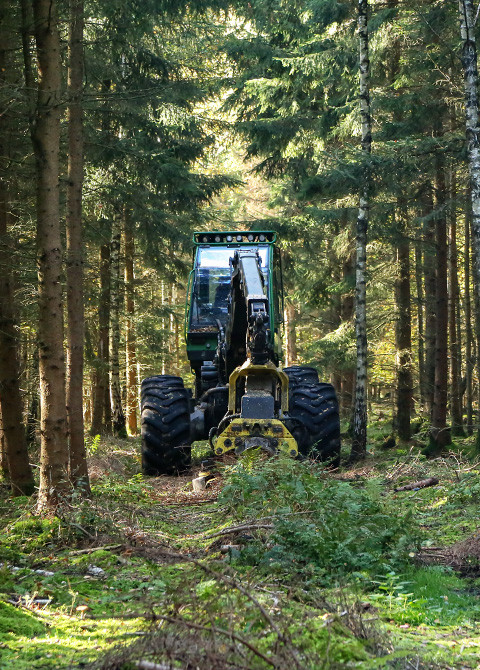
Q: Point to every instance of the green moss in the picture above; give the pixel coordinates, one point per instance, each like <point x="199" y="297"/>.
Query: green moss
<point x="15" y="621"/>
<point x="429" y="604"/>
<point x="34" y="532"/>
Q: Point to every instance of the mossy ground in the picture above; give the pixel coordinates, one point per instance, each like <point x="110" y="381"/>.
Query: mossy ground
<point x="410" y="615"/>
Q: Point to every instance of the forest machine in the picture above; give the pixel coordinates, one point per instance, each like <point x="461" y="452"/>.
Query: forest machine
<point x="242" y="398"/>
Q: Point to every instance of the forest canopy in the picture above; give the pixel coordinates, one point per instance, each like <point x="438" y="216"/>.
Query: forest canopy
<point x="126" y="128"/>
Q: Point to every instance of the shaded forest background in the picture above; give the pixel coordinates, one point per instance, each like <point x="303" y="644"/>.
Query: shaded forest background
<point x="126" y="126"/>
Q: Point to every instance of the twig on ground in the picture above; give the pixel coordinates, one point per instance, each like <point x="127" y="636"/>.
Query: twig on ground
<point x="230" y="581"/>
<point x="77" y="525"/>
<point x="220" y="631"/>
<point x="90" y="550"/>
<point x="236" y="529"/>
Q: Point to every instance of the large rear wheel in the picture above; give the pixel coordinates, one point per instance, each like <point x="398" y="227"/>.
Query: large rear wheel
<point x="315" y="406"/>
<point x="165" y="425"/>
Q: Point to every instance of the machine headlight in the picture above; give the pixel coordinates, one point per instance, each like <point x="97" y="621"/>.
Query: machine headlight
<point x="239" y="238"/>
<point x="250" y="238"/>
<point x="229" y="238"/>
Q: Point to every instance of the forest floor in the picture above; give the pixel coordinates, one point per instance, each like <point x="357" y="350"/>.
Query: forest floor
<point x="277" y="564"/>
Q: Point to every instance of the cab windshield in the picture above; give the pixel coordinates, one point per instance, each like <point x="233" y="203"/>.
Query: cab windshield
<point x="211" y="285"/>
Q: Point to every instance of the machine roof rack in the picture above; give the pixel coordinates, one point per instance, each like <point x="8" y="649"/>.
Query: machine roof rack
<point x="235" y="237"/>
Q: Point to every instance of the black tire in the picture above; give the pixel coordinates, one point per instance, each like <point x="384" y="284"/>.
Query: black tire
<point x="315" y="406"/>
<point x="165" y="423"/>
<point x="298" y="374"/>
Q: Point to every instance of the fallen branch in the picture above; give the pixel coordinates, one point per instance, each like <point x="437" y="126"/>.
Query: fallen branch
<point x="431" y="481"/>
<point x="232" y="582"/>
<point x="80" y="528"/>
<point x="237" y="529"/>
<point x="214" y="629"/>
<point x="90" y="550"/>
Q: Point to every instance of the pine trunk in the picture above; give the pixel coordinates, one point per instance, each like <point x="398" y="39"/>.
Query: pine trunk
<point x="403" y="336"/>
<point x="4" y="473"/>
<point x="455" y="344"/>
<point x="11" y="404"/>
<point x="131" y="356"/>
<point x="76" y="317"/>
<point x="359" y="437"/>
<point x="347" y="309"/>
<point x="118" y="416"/>
<point x="420" y="322"/>
<point x="290" y="334"/>
<point x="430" y="302"/>
<point x="470" y="360"/>
<point x="101" y="413"/>
<point x="15" y="463"/>
<point x="470" y="67"/>
<point x="439" y="433"/>
<point x="476" y="310"/>
<point x="54" y="484"/>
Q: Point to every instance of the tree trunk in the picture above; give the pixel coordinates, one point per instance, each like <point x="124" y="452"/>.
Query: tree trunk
<point x="470" y="67"/>
<point x="4" y="473"/>
<point x="470" y="361"/>
<point x="11" y="405"/>
<point x="131" y="357"/>
<point x="420" y="322"/>
<point x="76" y="317"/>
<point x="403" y="336"/>
<point x="101" y="414"/>
<point x="430" y="301"/>
<point x="54" y="484"/>
<point x="15" y="463"/>
<point x="290" y="334"/>
<point x="359" y="437"/>
<point x="165" y="338"/>
<point x="347" y="309"/>
<point x="439" y="433"/>
<point x="30" y="83"/>
<point x="476" y="303"/>
<point x="118" y="417"/>
<point x="455" y="344"/>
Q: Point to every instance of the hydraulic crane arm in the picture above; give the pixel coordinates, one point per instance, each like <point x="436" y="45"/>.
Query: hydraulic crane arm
<point x="247" y="333"/>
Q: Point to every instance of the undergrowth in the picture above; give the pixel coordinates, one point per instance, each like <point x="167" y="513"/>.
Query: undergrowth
<point x="321" y="526"/>
<point x="290" y="567"/>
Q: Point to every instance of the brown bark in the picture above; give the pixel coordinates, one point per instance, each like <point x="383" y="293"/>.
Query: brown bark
<point x="30" y="83"/>
<point x="118" y="416"/>
<point x="430" y="301"/>
<point x="453" y="331"/>
<point x="476" y="297"/>
<point x="15" y="463"/>
<point x="76" y="317"/>
<point x="347" y="309"/>
<point x="54" y="482"/>
<point x="439" y="432"/>
<point x="101" y="414"/>
<point x="290" y="333"/>
<point x="12" y="426"/>
<point x="420" y="321"/>
<point x="403" y="337"/>
<point x="3" y="452"/>
<point x="469" y="343"/>
<point x="470" y="68"/>
<point x="131" y="355"/>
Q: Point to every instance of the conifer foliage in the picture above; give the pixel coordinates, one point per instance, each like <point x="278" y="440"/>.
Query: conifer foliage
<point x="322" y="119"/>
